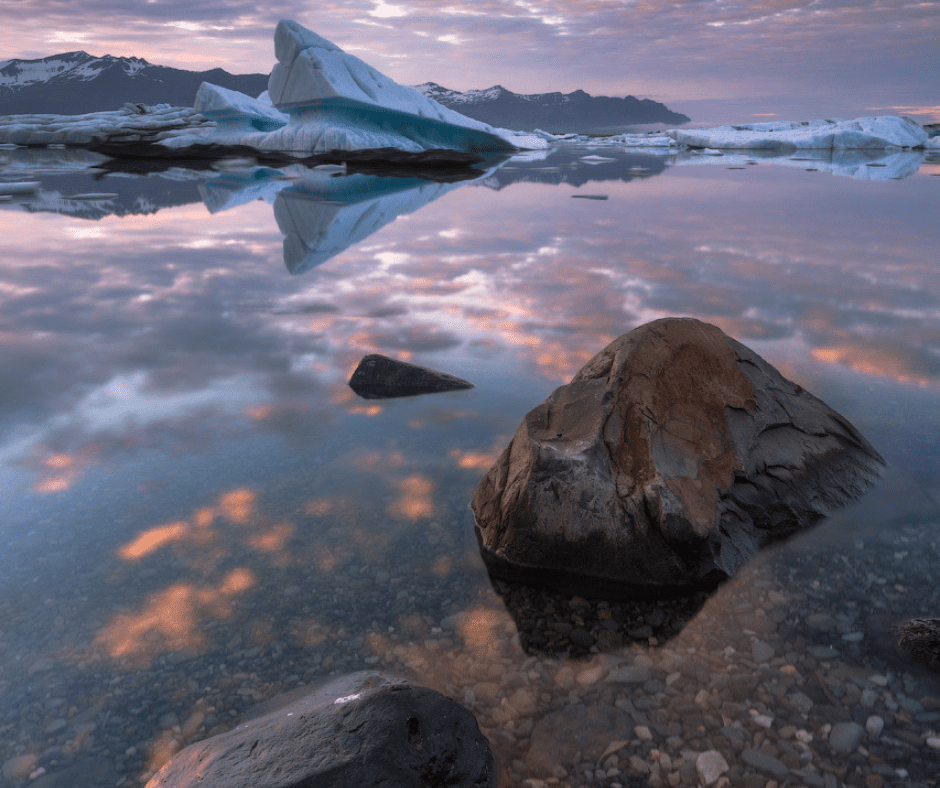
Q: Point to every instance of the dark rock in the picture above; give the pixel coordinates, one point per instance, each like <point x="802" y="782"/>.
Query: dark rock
<point x="381" y="377"/>
<point x="362" y="729"/>
<point x="667" y="462"/>
<point x="920" y="639"/>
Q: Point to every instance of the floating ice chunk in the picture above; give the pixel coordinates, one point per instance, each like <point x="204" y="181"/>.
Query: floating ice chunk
<point x="231" y="108"/>
<point x="592" y="159"/>
<point x="133" y="122"/>
<point x="882" y="132"/>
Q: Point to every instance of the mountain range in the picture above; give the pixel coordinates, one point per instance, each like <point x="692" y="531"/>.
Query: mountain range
<point x="76" y="82"/>
<point x="558" y="113"/>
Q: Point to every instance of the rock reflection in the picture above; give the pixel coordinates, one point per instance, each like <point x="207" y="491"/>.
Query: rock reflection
<point x="553" y="622"/>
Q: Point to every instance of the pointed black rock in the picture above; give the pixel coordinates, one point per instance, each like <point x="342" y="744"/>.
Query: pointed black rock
<point x="381" y="377"/>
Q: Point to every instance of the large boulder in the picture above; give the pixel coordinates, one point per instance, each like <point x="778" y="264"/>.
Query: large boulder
<point x="360" y="730"/>
<point x="667" y="462"/>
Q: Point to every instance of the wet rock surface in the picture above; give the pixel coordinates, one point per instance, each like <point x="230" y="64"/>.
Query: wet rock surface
<point x="920" y="638"/>
<point x="381" y="377"/>
<point x="670" y="459"/>
<point x="362" y="729"/>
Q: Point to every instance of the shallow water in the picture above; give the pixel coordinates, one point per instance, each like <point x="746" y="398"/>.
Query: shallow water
<point x="197" y="515"/>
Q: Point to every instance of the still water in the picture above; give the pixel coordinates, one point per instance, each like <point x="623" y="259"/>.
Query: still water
<point x="198" y="516"/>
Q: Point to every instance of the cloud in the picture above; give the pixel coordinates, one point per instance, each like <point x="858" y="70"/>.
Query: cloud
<point x="671" y="51"/>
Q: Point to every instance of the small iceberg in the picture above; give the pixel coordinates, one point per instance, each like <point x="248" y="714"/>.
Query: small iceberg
<point x="885" y="132"/>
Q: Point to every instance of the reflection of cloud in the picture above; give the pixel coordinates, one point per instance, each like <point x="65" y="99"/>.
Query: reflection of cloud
<point x="474" y="460"/>
<point x="152" y="539"/>
<point x="885" y="359"/>
<point x="415" y="498"/>
<point x="59" y="471"/>
<point x="171" y="620"/>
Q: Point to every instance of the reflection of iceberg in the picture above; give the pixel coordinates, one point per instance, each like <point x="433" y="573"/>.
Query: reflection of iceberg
<point x="321" y="215"/>
<point x="229" y="190"/>
<point x="858" y="164"/>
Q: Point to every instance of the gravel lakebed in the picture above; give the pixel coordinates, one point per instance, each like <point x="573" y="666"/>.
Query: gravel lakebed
<point x="786" y="676"/>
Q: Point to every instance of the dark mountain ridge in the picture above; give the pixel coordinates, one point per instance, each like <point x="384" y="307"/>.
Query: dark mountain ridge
<point x="555" y="112"/>
<point x="74" y="83"/>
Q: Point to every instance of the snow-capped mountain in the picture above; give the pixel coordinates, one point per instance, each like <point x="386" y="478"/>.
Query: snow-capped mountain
<point x="555" y="112"/>
<point x="76" y="82"/>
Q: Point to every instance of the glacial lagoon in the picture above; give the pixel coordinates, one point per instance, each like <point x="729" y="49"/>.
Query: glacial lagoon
<point x="199" y="519"/>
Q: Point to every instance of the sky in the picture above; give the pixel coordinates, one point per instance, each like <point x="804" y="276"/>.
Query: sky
<point x="712" y="59"/>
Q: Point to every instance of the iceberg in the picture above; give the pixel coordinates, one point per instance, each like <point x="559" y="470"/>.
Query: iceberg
<point x="884" y="132"/>
<point x="322" y="99"/>
<point x="336" y="101"/>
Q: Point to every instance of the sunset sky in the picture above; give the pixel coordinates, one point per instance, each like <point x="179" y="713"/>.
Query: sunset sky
<point x="712" y="59"/>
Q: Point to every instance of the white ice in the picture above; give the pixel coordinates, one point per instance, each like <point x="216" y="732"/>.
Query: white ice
<point x="149" y="123"/>
<point x="332" y="100"/>
<point x="876" y="133"/>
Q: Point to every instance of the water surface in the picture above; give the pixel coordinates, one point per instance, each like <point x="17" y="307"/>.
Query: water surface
<point x="198" y="515"/>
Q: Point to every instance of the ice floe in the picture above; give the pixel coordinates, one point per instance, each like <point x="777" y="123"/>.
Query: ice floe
<point x="131" y="123"/>
<point x="875" y="133"/>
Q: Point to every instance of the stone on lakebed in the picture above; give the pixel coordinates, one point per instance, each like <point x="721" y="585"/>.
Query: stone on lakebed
<point x="381" y="377"/>
<point x="666" y="463"/>
<point x="362" y="729"/>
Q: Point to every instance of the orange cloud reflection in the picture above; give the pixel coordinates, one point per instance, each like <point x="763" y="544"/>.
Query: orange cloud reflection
<point x="152" y="540"/>
<point x="60" y="471"/>
<point x="894" y="362"/>
<point x="414" y="500"/>
<point x="171" y="620"/>
<point x="474" y="460"/>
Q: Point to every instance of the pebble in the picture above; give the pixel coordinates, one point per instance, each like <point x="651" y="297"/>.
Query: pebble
<point x="710" y="765"/>
<point x="874" y="725"/>
<point x="762" y="651"/>
<point x="845" y="736"/>
<point x="765" y="763"/>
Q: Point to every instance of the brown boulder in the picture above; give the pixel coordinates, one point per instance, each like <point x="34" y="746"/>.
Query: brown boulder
<point x="667" y="462"/>
<point x="360" y="730"/>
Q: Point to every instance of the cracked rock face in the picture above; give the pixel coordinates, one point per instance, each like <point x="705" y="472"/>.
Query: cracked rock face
<point x="668" y="461"/>
<point x="359" y="730"/>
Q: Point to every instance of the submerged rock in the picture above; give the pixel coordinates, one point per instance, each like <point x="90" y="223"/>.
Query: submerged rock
<point x="360" y="730"/>
<point x="666" y="463"/>
<point x="920" y="639"/>
<point x="381" y="377"/>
